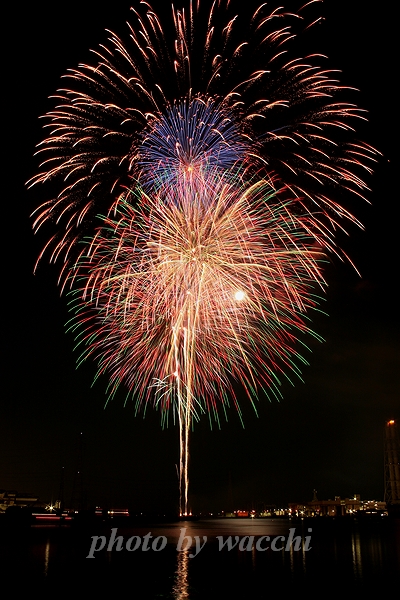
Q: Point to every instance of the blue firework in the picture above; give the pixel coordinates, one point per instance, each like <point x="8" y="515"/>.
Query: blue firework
<point x="188" y="141"/>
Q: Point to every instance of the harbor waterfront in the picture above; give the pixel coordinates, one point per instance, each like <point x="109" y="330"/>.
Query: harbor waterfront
<point x="205" y="558"/>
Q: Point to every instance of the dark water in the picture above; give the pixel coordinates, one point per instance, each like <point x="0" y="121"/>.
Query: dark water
<point x="344" y="556"/>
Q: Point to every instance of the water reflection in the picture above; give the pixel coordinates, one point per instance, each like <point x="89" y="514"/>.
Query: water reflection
<point x="367" y="554"/>
<point x="180" y="589"/>
<point x="46" y="558"/>
<point x="376" y="553"/>
<point x="342" y="553"/>
<point x="356" y="555"/>
<point x="296" y="554"/>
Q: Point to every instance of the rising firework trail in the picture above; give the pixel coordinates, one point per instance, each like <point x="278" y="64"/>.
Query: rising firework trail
<point x="220" y="159"/>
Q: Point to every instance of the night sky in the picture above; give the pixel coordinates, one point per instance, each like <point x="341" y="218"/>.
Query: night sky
<point x="326" y="433"/>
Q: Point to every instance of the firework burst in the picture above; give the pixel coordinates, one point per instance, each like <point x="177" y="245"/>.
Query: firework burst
<point x="216" y="157"/>
<point x="204" y="85"/>
<point x="194" y="291"/>
<point x="190" y="140"/>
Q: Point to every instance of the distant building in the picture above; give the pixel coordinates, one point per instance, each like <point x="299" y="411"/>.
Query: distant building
<point x="392" y="464"/>
<point x="337" y="508"/>
<point x="13" y="498"/>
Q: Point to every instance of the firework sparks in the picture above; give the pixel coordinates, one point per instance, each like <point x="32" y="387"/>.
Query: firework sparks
<point x="215" y="159"/>
<point x="189" y="140"/>
<point x="193" y="292"/>
<point x="210" y="88"/>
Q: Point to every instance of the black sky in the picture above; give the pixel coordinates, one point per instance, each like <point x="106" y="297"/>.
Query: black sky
<point x="326" y="433"/>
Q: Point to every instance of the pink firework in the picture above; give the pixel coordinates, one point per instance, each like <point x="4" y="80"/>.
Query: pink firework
<point x="185" y="293"/>
<point x="220" y="158"/>
<point x="136" y="110"/>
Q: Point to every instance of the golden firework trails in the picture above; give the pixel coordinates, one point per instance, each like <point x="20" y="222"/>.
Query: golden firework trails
<point x="220" y="158"/>
<point x="289" y="116"/>
<point x="194" y="291"/>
